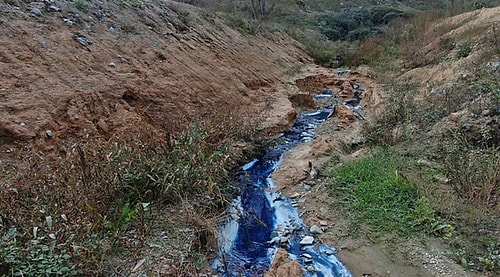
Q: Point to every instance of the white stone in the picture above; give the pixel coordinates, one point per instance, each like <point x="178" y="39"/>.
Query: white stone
<point x="305" y="255"/>
<point x="307" y="240"/>
<point x="315" y="230"/>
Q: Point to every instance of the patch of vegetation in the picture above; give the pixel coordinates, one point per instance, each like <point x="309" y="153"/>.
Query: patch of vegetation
<point x="82" y="5"/>
<point x="426" y="219"/>
<point x="403" y="118"/>
<point x="474" y="168"/>
<point x="464" y="50"/>
<point x="66" y="214"/>
<point x="374" y="193"/>
<point x="243" y="25"/>
<point x="321" y="49"/>
<point x="355" y="24"/>
<point x="137" y="5"/>
<point x="44" y="255"/>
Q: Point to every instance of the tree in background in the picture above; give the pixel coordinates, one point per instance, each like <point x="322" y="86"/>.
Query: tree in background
<point x="262" y="13"/>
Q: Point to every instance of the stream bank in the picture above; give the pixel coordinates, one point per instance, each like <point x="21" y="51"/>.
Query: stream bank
<point x="262" y="221"/>
<point x="339" y="140"/>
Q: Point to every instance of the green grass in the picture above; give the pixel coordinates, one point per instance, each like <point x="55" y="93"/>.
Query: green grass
<point x="374" y="193"/>
<point x="385" y="194"/>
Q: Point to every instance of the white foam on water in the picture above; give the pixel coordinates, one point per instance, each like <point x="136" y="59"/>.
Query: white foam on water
<point x="249" y="165"/>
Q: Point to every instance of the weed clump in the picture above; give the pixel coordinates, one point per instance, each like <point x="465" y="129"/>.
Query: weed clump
<point x="63" y="215"/>
<point x="464" y="50"/>
<point x="473" y="169"/>
<point x="402" y="117"/>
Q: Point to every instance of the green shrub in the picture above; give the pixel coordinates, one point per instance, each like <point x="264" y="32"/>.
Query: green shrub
<point x="464" y="50"/>
<point x="324" y="51"/>
<point x="357" y="23"/>
<point x="242" y="24"/>
<point x="137" y="5"/>
<point x="402" y="118"/>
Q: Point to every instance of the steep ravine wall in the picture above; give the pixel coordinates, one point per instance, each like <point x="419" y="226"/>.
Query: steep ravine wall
<point x="159" y="66"/>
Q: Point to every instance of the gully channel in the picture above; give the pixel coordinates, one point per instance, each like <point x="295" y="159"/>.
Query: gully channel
<point x="261" y="220"/>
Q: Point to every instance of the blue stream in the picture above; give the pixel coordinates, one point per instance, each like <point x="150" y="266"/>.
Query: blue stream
<point x="259" y="217"/>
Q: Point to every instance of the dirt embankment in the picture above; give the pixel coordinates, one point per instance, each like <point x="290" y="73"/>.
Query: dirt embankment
<point x="108" y="68"/>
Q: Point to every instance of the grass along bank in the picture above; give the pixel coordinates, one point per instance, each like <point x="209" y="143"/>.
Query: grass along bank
<point x="81" y="212"/>
<point x="375" y="193"/>
<point x="440" y="125"/>
<point x="394" y="194"/>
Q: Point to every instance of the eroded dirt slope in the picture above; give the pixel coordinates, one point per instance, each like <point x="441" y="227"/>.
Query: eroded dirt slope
<point x="159" y="65"/>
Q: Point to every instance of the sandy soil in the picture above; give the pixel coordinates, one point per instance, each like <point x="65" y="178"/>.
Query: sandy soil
<point x="156" y="67"/>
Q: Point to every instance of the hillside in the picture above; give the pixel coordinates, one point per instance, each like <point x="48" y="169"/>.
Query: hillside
<point x="122" y="122"/>
<point x="91" y="91"/>
<point x="159" y="65"/>
<point x="434" y="110"/>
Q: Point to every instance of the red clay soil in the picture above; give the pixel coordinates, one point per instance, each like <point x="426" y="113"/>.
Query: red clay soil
<point x="159" y="67"/>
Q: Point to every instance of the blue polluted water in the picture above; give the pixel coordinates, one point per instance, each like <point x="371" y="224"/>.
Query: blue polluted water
<point x="260" y="220"/>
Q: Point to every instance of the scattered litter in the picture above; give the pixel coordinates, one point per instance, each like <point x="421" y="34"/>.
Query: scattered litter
<point x="54" y="8"/>
<point x="68" y="21"/>
<point x="83" y="41"/>
<point x="311" y="269"/>
<point x="48" y="219"/>
<point x="122" y="59"/>
<point x="138" y="265"/>
<point x="36" y="11"/>
<point x="341" y="73"/>
<point x="315" y="230"/>
<point x="494" y="64"/>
